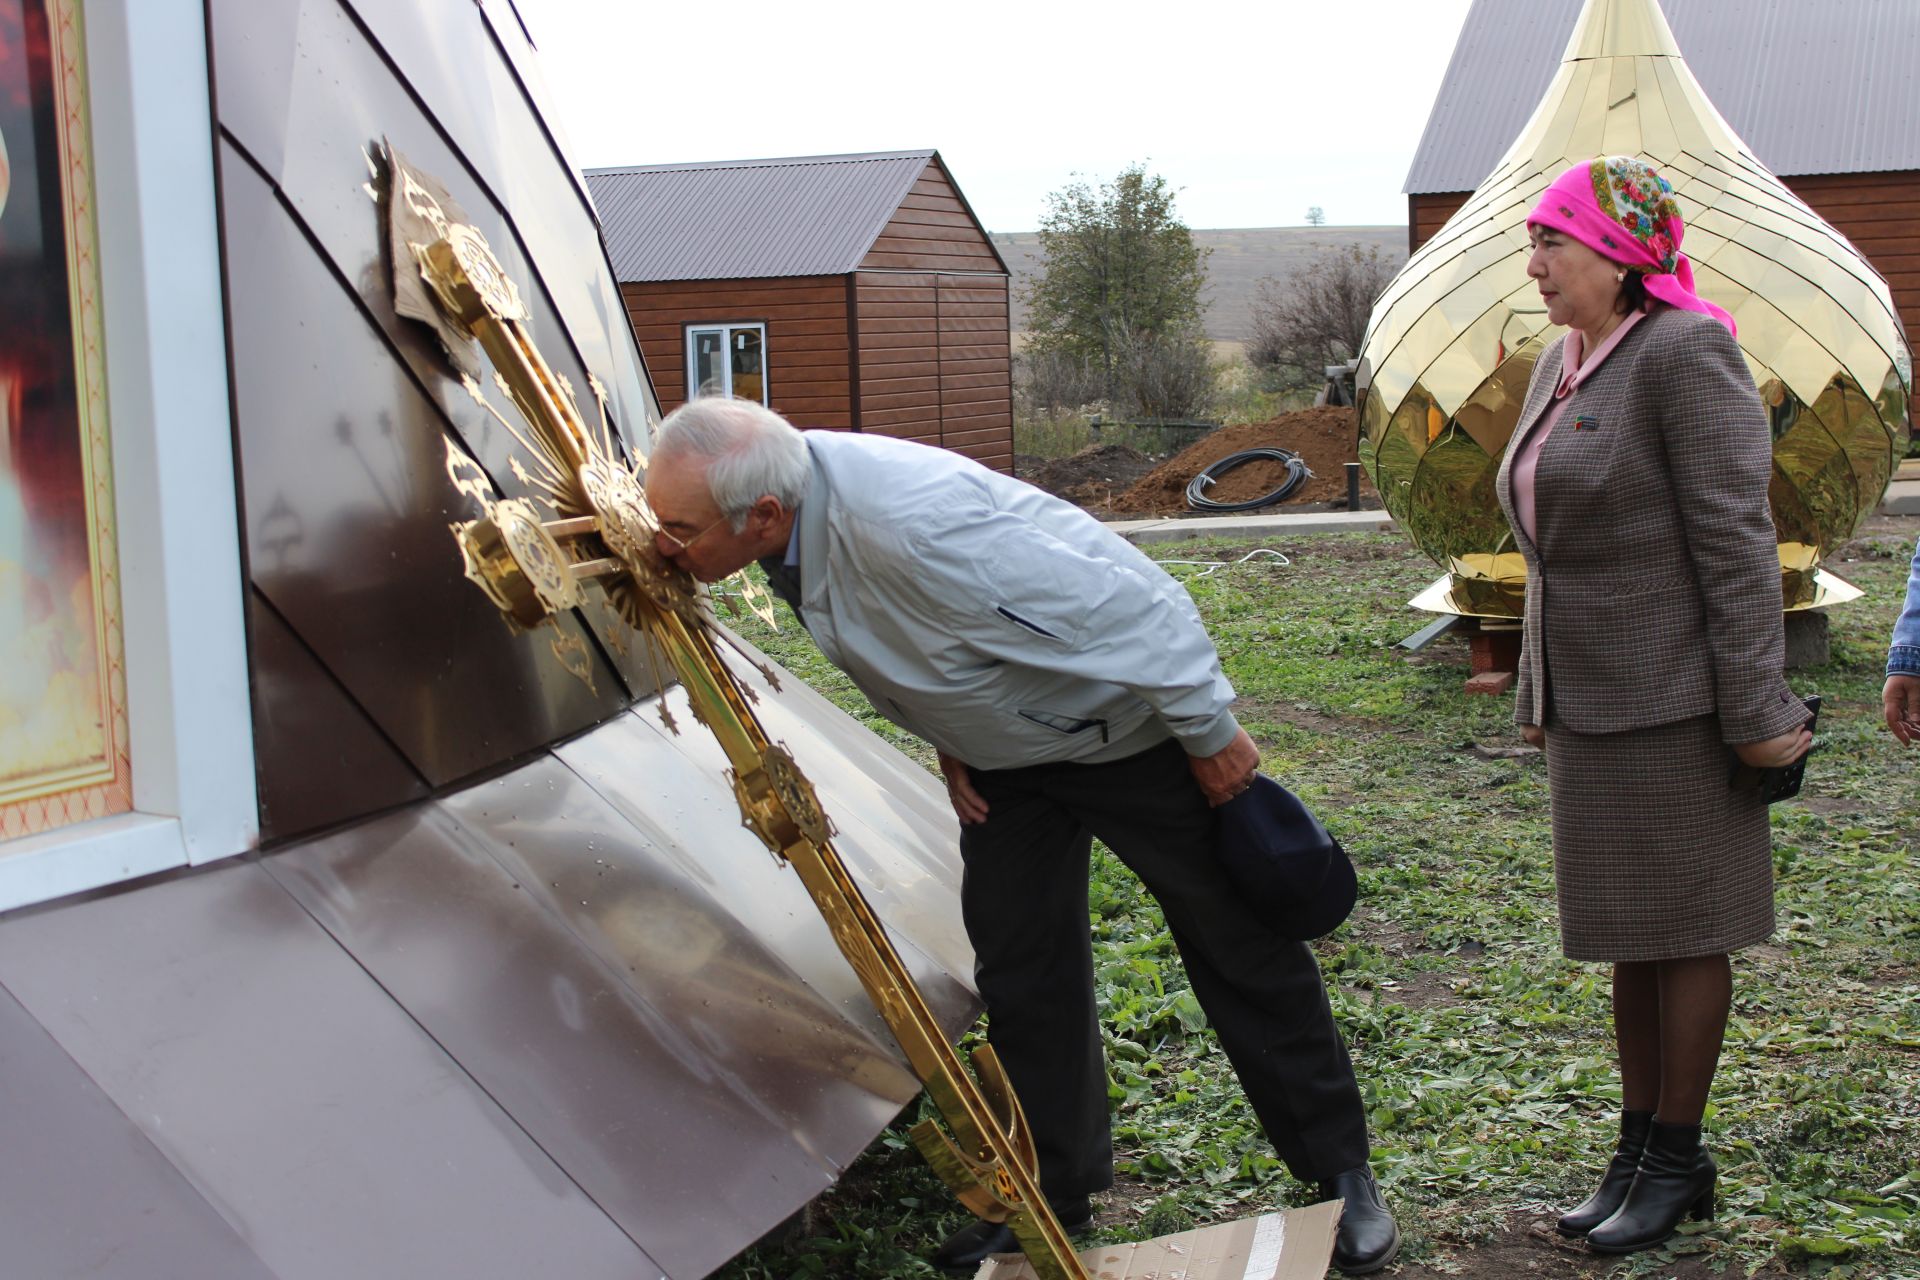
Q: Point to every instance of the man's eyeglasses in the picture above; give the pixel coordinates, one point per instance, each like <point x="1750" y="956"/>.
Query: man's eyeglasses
<point x="682" y="545"/>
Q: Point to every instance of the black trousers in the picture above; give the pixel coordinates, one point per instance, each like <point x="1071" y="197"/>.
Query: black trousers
<point x="1024" y="897"/>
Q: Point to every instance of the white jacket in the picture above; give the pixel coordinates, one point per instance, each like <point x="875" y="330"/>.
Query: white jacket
<point x="1004" y="626"/>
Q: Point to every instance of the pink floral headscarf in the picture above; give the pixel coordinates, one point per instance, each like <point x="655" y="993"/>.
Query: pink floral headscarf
<point x="1623" y="210"/>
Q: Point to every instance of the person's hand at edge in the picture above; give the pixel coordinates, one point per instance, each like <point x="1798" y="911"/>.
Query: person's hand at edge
<point x="1227" y="772"/>
<point x="1900" y="701"/>
<point x="1535" y="736"/>
<point x="968" y="804"/>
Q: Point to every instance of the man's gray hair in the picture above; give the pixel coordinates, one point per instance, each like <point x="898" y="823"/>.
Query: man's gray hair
<point x="752" y="452"/>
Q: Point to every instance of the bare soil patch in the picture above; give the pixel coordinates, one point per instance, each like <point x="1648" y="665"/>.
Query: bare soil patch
<point x="1414" y="988"/>
<point x="1891" y="975"/>
<point x="1324" y="439"/>
<point x="1831" y="806"/>
<point x="1530" y="1249"/>
<point x="1092" y="477"/>
<point x="1120" y="1206"/>
<point x="1876" y="526"/>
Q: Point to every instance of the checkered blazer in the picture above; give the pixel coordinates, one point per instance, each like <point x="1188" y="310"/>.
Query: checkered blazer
<point x="1653" y="594"/>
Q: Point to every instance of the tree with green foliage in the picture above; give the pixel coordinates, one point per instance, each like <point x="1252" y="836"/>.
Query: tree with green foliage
<point x="1118" y="293"/>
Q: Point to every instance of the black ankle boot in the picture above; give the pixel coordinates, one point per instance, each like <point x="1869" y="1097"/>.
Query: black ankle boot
<point x="963" y="1251"/>
<point x="1614" y="1183"/>
<point x="1675" y="1181"/>
<point x="1367" y="1237"/>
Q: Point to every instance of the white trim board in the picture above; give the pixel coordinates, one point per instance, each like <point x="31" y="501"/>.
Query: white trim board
<point x="182" y="594"/>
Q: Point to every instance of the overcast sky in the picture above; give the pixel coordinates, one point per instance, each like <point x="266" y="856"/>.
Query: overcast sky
<point x="1255" y="111"/>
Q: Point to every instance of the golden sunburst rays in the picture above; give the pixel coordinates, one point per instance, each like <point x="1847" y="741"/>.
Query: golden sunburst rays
<point x="584" y="517"/>
<point x="743" y="593"/>
<point x="512" y="556"/>
<point x="560" y="492"/>
<point x="603" y="531"/>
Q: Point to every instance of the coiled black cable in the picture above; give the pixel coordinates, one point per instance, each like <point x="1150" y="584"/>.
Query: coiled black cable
<point x="1297" y="475"/>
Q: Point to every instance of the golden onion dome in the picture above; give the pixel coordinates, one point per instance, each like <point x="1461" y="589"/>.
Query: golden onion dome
<point x="1443" y="369"/>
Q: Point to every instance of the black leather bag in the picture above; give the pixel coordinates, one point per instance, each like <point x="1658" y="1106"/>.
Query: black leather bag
<point x="1778" y="782"/>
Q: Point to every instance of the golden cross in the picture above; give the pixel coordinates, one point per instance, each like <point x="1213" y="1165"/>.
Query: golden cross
<point x="534" y="569"/>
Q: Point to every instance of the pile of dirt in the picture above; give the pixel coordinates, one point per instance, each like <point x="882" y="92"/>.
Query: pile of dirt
<point x="1092" y="477"/>
<point x="1324" y="439"/>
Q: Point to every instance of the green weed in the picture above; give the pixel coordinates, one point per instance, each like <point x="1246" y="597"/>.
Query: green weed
<point x="1483" y="1055"/>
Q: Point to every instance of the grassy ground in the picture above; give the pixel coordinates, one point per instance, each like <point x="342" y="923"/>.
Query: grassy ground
<point x="1483" y="1054"/>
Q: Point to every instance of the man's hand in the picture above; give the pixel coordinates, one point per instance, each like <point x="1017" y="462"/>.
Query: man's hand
<point x="968" y="804"/>
<point x="1900" y="700"/>
<point x="1769" y="753"/>
<point x="1535" y="736"/>
<point x="1227" y="772"/>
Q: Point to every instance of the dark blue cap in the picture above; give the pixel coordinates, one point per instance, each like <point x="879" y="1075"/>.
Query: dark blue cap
<point x="1279" y="855"/>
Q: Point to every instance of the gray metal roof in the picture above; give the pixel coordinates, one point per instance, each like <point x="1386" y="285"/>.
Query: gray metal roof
<point x="738" y="219"/>
<point x="1826" y="87"/>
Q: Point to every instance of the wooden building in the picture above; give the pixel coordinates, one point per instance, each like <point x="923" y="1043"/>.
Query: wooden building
<point x="1825" y="94"/>
<point x="850" y="292"/>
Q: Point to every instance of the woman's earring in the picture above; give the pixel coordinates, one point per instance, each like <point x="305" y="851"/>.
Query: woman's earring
<point x="1619" y="277"/>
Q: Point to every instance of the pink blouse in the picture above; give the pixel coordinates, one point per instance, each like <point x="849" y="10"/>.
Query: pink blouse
<point x="1574" y="370"/>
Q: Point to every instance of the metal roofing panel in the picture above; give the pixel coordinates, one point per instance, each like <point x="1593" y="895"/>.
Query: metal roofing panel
<point x="465" y="80"/>
<point x="897" y="846"/>
<point x="582" y="984"/>
<point x="742" y="219"/>
<point x="617" y="1009"/>
<point x="82" y="1190"/>
<point x="330" y="1130"/>
<point x="337" y="438"/>
<point x="1812" y="88"/>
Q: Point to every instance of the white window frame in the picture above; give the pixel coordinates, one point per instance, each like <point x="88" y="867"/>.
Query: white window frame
<point x="182" y="594"/>
<point x="728" y="328"/>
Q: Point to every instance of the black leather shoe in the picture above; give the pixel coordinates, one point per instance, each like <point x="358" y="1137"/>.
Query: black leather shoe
<point x="963" y="1251"/>
<point x="1368" y="1237"/>
<point x="1675" y="1182"/>
<point x="1602" y="1204"/>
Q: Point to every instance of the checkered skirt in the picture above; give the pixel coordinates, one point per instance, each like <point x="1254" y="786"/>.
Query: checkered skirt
<point x="1655" y="856"/>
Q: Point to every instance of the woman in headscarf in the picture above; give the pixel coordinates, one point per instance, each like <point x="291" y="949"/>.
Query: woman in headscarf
<point x="1636" y="486"/>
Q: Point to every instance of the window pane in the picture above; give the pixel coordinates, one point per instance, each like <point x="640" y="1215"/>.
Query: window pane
<point x="748" y="381"/>
<point x="709" y="370"/>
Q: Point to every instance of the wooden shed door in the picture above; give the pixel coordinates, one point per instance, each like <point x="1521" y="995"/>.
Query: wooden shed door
<point x="976" y="409"/>
<point x="934" y="361"/>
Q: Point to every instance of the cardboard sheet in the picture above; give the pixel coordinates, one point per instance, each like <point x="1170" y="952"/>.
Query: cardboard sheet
<point x="1296" y="1244"/>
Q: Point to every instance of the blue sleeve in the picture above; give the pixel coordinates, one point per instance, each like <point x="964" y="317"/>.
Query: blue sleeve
<point x="1903" y="656"/>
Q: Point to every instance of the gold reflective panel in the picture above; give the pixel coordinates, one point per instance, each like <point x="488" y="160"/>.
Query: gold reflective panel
<point x="1443" y="369"/>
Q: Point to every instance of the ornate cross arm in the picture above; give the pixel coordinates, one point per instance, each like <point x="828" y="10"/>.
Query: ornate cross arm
<point x="533" y="569"/>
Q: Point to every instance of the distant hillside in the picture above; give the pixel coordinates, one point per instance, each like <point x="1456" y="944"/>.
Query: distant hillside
<point x="1240" y="258"/>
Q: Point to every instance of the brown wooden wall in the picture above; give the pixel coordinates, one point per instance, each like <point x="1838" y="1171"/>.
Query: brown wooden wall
<point x="808" y="376"/>
<point x="1879" y="212"/>
<point x="935" y="361"/>
<point x="932" y="231"/>
<point x="1427" y="214"/>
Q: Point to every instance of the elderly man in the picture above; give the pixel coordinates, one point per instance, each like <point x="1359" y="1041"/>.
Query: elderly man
<point x="1070" y="691"/>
